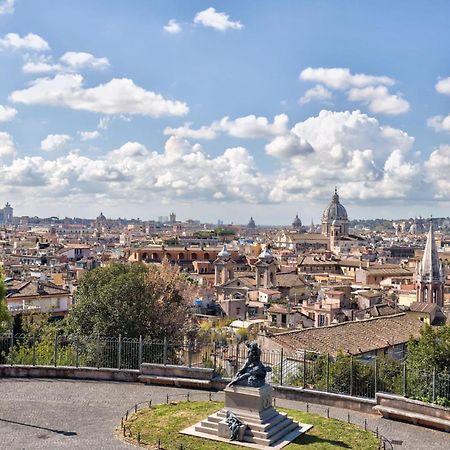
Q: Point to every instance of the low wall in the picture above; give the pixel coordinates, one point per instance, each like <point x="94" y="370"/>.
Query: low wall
<point x="79" y="373"/>
<point x="168" y="370"/>
<point x="171" y="377"/>
<point x="364" y="405"/>
<point x="298" y="394"/>
<point x="413" y="411"/>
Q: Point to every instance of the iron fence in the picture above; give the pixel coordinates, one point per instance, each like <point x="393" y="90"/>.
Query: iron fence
<point x="360" y="377"/>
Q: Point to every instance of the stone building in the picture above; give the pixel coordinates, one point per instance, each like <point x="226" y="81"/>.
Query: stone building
<point x="6" y="214"/>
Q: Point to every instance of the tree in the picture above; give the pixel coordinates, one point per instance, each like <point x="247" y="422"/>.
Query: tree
<point x="132" y="300"/>
<point x="431" y="350"/>
<point x="428" y="365"/>
<point x="5" y="317"/>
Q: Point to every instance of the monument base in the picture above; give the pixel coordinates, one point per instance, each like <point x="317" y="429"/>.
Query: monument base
<point x="266" y="427"/>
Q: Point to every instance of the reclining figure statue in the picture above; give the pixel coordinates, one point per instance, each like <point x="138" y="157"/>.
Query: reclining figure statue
<point x="253" y="372"/>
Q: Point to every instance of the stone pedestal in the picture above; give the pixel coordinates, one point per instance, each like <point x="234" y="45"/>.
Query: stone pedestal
<point x="266" y="427"/>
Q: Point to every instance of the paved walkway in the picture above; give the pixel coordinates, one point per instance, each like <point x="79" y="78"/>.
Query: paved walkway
<point x="63" y="414"/>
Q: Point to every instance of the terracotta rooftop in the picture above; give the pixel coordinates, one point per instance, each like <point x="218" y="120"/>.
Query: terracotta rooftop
<point x="352" y="337"/>
<point x="34" y="288"/>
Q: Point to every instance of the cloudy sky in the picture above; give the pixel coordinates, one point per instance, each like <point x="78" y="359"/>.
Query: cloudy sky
<point x="225" y="109"/>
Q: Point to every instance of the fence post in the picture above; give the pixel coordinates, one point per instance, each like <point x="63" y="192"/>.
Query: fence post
<point x="405" y="384"/>
<point x="190" y="352"/>
<point x="281" y="366"/>
<point x="34" y="349"/>
<point x="141" y="345"/>
<point x="351" y="375"/>
<point x="165" y="351"/>
<point x="328" y="373"/>
<point x="215" y="357"/>
<point x="304" y="369"/>
<point x="119" y="352"/>
<point x="433" y="394"/>
<point x="76" y="351"/>
<point x="375" y="376"/>
<point x="55" y="352"/>
<point x="11" y="346"/>
<point x="98" y="350"/>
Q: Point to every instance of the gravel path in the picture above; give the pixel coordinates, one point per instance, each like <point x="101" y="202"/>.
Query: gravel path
<point x="63" y="414"/>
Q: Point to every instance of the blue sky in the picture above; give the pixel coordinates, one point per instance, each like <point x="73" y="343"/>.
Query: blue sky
<point x="224" y="109"/>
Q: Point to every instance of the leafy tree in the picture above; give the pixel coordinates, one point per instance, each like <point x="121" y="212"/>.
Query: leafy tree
<point x="427" y="357"/>
<point x="431" y="350"/>
<point x="37" y="344"/>
<point x="132" y="300"/>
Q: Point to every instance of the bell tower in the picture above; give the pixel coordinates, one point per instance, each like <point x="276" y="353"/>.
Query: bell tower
<point x="223" y="267"/>
<point x="266" y="270"/>
<point x="430" y="277"/>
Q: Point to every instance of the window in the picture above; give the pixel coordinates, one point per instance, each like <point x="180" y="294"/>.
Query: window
<point x="322" y="320"/>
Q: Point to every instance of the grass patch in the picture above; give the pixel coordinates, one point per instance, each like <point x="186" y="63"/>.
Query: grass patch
<point x="163" y="422"/>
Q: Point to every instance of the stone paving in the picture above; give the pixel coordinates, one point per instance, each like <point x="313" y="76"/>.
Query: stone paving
<point x="63" y="414"/>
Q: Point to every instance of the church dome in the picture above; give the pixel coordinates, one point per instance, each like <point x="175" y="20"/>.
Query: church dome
<point x="297" y="223"/>
<point x="335" y="211"/>
<point x="224" y="253"/>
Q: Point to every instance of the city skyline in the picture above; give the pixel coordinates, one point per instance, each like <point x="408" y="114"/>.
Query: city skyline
<point x="224" y="109"/>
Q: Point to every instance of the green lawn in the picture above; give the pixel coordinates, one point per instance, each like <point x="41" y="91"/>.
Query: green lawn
<point x="163" y="422"/>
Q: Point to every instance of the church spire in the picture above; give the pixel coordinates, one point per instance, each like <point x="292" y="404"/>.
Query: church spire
<point x="430" y="276"/>
<point x="430" y="267"/>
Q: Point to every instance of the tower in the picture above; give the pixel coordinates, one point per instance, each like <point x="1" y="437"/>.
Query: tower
<point x="251" y="224"/>
<point x="223" y="267"/>
<point x="430" y="277"/>
<point x="7" y="213"/>
<point x="266" y="270"/>
<point x="172" y="218"/>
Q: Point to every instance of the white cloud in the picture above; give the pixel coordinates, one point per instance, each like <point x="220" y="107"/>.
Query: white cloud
<point x="118" y="96"/>
<point x="55" y="142"/>
<point x="7" y="6"/>
<point x="30" y="41"/>
<point x="80" y="60"/>
<point x="172" y="27"/>
<point x="371" y="90"/>
<point x="217" y="20"/>
<point x="318" y="92"/>
<point x="443" y="86"/>
<point x="437" y="170"/>
<point x="341" y="78"/>
<point x="134" y="173"/>
<point x="253" y="127"/>
<point x="246" y="127"/>
<point x="288" y="146"/>
<point x="439" y="123"/>
<point x="40" y="67"/>
<point x="7" y="147"/>
<point x="69" y="62"/>
<point x="352" y="150"/>
<point x="379" y="100"/>
<point x="7" y="113"/>
<point x="89" y="135"/>
<point x="186" y="131"/>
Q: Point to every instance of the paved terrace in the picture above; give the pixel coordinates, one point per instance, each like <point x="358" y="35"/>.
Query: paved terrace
<point x="59" y="414"/>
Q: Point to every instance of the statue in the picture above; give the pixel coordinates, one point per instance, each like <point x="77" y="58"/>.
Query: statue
<point x="236" y="427"/>
<point x="253" y="372"/>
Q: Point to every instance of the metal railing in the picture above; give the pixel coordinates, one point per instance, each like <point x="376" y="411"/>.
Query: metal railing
<point x="348" y="375"/>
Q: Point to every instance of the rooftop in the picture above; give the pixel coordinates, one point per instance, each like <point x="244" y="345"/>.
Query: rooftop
<point x="353" y="337"/>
